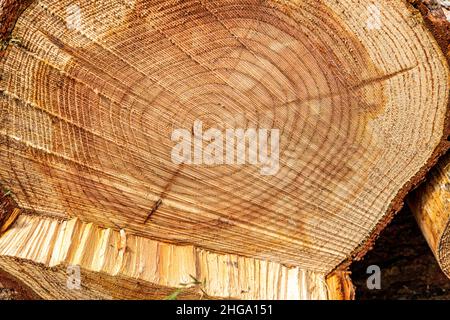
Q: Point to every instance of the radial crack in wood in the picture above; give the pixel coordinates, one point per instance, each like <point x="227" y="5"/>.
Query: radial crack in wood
<point x="92" y="93"/>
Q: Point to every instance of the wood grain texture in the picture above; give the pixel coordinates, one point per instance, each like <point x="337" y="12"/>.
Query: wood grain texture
<point x="430" y="202"/>
<point x="9" y="211"/>
<point x="430" y="205"/>
<point x="439" y="26"/>
<point x="114" y="265"/>
<point x="340" y="286"/>
<point x="86" y="115"/>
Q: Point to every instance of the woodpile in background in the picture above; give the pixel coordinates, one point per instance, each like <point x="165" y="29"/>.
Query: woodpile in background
<point x="430" y="205"/>
<point x="91" y="92"/>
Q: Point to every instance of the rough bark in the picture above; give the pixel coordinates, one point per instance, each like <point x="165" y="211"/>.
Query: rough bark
<point x="88" y="104"/>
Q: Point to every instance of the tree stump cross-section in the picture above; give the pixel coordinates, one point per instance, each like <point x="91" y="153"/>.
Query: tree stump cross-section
<point x="91" y="94"/>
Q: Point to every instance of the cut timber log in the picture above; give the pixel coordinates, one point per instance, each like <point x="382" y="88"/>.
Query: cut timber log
<point x="40" y="251"/>
<point x="92" y="95"/>
<point x="430" y="203"/>
<point x="431" y="207"/>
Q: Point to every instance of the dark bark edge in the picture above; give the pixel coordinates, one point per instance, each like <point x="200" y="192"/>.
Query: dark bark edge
<point x="436" y="22"/>
<point x="10" y="11"/>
